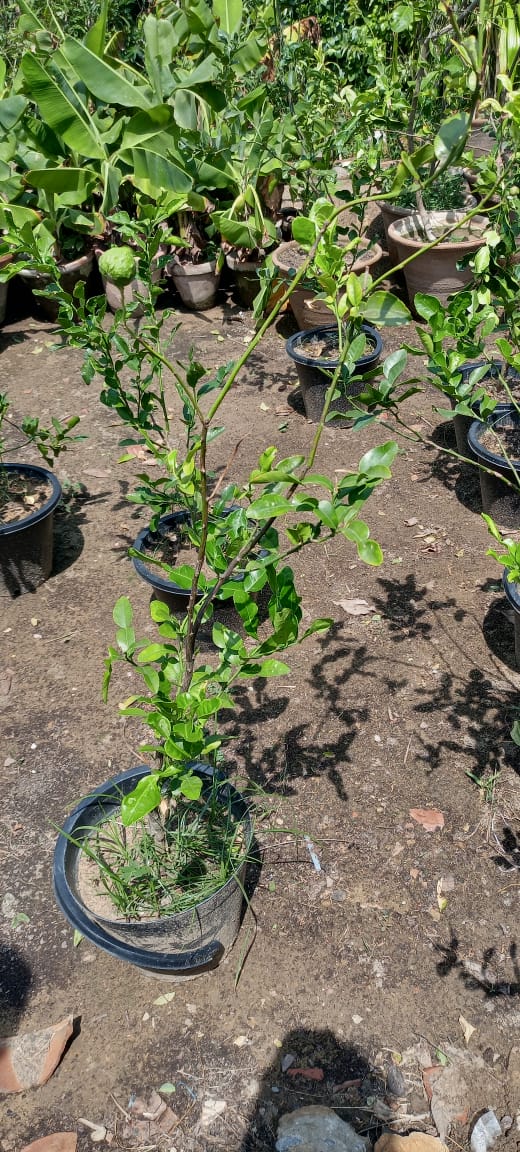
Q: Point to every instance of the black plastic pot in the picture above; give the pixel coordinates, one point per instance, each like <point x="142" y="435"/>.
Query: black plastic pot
<point x="512" y="592"/>
<point x="26" y="545"/>
<point x="461" y="424"/>
<point x="185" y="944"/>
<point x="314" y="373"/>
<point x="499" y="500"/>
<point x="166" y="590"/>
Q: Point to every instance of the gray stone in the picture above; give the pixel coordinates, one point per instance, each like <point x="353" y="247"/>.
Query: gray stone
<point x="317" y="1129"/>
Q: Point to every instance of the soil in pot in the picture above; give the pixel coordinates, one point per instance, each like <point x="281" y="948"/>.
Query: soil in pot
<point x="315" y="354"/>
<point x="307" y="310"/>
<point x="499" y="499"/>
<point x="435" y="271"/>
<point x="28" y="498"/>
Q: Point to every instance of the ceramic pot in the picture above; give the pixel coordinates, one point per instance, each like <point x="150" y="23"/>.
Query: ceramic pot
<point x="197" y="284"/>
<point x="70" y="273"/>
<point x="435" y="271"/>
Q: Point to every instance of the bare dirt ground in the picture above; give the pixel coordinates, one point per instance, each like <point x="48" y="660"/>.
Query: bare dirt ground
<point x="408" y="706"/>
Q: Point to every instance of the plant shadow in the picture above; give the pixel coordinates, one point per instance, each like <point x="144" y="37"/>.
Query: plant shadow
<point x="306" y="748"/>
<point x="313" y="1067"/>
<point x="481" y="975"/>
<point x="15" y="983"/>
<point x="461" y="479"/>
<point x="498" y="632"/>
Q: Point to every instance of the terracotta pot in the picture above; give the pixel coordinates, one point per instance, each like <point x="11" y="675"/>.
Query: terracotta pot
<point x="70" y="273"/>
<point x="307" y="310"/>
<point x="392" y="212"/>
<point x="197" y="284"/>
<point x="435" y="271"/>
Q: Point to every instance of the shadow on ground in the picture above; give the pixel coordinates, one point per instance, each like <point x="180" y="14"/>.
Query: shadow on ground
<point x="282" y="1092"/>
<point x="15" y="983"/>
<point x="304" y="749"/>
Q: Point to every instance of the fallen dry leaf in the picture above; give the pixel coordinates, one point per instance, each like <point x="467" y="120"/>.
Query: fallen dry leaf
<point x="28" y="1060"/>
<point x="58" y="1142"/>
<point x="467" y="1029"/>
<point x="307" y="1073"/>
<point x="355" y="607"/>
<point x="429" y="818"/>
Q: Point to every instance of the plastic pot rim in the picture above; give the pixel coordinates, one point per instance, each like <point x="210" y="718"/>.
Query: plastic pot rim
<point x="477" y="429"/>
<point x="299" y="338"/>
<point x="33" y="518"/>
<point x="511" y="590"/>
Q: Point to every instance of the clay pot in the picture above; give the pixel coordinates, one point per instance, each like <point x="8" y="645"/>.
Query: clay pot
<point x="435" y="271"/>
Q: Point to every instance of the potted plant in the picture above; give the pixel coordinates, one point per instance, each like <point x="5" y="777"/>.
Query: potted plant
<point x="281" y="506"/>
<point x="449" y="192"/>
<point x="29" y="495"/>
<point x="196" y="265"/>
<point x="350" y="347"/>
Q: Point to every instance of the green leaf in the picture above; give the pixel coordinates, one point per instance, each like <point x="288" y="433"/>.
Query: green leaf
<point x="450" y="139"/>
<point x="394" y="365"/>
<point x="370" y="552"/>
<point x="268" y="505"/>
<point x="515" y="732"/>
<point x="123" y="614"/>
<point x="385" y="309"/>
<point x="427" y="306"/>
<point x="103" y="81"/>
<point x="273" y="668"/>
<point x="77" y="181"/>
<point x="69" y="121"/>
<point x="145" y="125"/>
<point x="304" y="231"/>
<point x="380" y="457"/>
<point x="481" y="261"/>
<point x="191" y="787"/>
<point x="228" y="14"/>
<point x="151" y="652"/>
<point x="145" y="797"/>
<point x="155" y="173"/>
<point x="96" y="35"/>
<point x="159" y="612"/>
